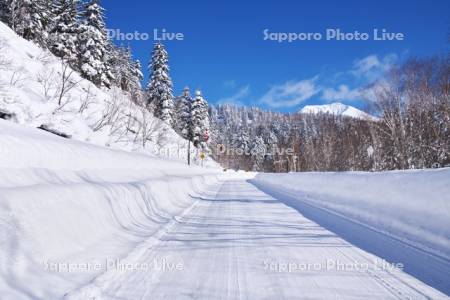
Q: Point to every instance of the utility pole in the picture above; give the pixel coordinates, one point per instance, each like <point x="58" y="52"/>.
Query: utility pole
<point x="189" y="152"/>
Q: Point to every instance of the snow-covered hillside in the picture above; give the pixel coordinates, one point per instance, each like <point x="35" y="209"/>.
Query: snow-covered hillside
<point x="337" y="109"/>
<point x="38" y="90"/>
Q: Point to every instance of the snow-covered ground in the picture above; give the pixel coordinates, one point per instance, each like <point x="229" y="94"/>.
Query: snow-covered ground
<point x="401" y="216"/>
<point x="411" y="205"/>
<point x="241" y="243"/>
<point x="64" y="201"/>
<point x="80" y="221"/>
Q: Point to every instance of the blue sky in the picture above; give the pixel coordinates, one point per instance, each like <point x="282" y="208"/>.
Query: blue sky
<point x="224" y="53"/>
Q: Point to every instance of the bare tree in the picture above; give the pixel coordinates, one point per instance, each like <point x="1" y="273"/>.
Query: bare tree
<point x="149" y="126"/>
<point x="56" y="85"/>
<point x="414" y="131"/>
<point x="87" y="99"/>
<point x="66" y="81"/>
<point x="145" y="127"/>
<point x="5" y="63"/>
<point x="46" y="80"/>
<point x="18" y="77"/>
<point x="111" y="112"/>
<point x="162" y="137"/>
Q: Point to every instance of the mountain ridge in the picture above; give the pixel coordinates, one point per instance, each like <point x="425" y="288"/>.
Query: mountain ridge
<point x="338" y="109"/>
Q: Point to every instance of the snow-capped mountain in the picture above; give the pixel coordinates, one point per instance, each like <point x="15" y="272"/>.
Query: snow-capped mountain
<point x="337" y="109"/>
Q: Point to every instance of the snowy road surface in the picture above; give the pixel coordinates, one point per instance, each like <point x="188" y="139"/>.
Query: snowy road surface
<point x="237" y="242"/>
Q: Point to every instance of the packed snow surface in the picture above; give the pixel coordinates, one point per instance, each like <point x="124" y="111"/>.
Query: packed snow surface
<point x="241" y="243"/>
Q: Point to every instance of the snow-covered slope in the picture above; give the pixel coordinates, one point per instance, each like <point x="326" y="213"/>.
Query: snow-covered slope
<point x="64" y="201"/>
<point x="337" y="109"/>
<point x="31" y="81"/>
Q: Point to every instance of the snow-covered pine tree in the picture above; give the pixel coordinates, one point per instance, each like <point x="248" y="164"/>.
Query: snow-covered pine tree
<point x="135" y="83"/>
<point x="5" y="12"/>
<point x="258" y="151"/>
<point x="119" y="60"/>
<point x="136" y="92"/>
<point x="110" y="49"/>
<point x="30" y="19"/>
<point x="63" y="40"/>
<point x="127" y="73"/>
<point x="159" y="89"/>
<point x="136" y="75"/>
<point x="199" y="119"/>
<point x="95" y="47"/>
<point x="182" y="121"/>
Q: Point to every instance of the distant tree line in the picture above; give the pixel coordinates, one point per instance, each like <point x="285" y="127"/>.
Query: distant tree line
<point x="412" y="131"/>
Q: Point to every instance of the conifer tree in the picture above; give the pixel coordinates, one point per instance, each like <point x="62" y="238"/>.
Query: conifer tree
<point x="30" y="19"/>
<point x="127" y="73"/>
<point x="136" y="75"/>
<point x="95" y="47"/>
<point x="199" y="119"/>
<point x="5" y="12"/>
<point x="63" y="41"/>
<point x="182" y="123"/>
<point x="159" y="89"/>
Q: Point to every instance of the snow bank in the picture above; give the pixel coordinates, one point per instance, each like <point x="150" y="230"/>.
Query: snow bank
<point x="411" y="205"/>
<point x="64" y="201"/>
<point x="74" y="200"/>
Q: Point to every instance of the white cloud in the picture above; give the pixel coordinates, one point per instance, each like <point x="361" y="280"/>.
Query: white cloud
<point x="291" y="93"/>
<point x="367" y="70"/>
<point x="230" y="83"/>
<point x="237" y="97"/>
<point x="372" y="67"/>
<point x="342" y="93"/>
<point x="361" y="66"/>
<point x="371" y="92"/>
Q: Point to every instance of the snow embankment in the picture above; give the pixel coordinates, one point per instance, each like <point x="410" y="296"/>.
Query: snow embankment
<point x="413" y="206"/>
<point x="67" y="202"/>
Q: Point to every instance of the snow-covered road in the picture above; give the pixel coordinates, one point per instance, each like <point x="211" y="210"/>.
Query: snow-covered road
<point x="237" y="242"/>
